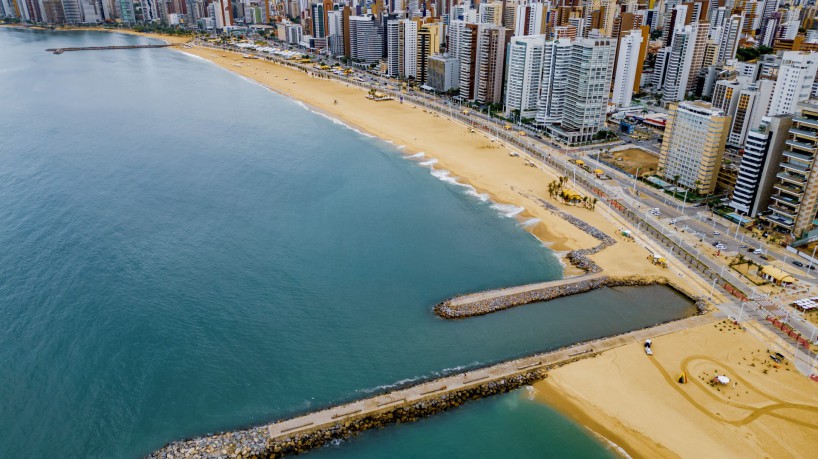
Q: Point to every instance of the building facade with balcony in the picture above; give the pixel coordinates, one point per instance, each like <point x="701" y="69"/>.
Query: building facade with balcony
<point x="763" y="151"/>
<point x="794" y="200"/>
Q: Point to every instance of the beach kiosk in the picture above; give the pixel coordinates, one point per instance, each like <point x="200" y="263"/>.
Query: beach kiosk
<point x="776" y="275"/>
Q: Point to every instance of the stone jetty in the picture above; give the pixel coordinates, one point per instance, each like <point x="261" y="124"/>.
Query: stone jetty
<point x="478" y="304"/>
<point x="302" y="433"/>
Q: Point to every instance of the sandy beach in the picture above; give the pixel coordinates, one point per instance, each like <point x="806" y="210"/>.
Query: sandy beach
<point x="767" y="410"/>
<point x="471" y="157"/>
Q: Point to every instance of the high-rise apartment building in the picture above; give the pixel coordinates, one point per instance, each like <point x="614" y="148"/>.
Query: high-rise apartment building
<point x="408" y="48"/>
<point x="684" y="61"/>
<point x="588" y="72"/>
<point x="428" y="44"/>
<point x="794" y="199"/>
<point x="365" y="40"/>
<point x="692" y="147"/>
<point x="524" y="75"/>
<point x="793" y="85"/>
<point x="554" y="81"/>
<point x="759" y="165"/>
<point x="728" y="43"/>
<point x="626" y="68"/>
<point x="466" y="47"/>
<point x="489" y="66"/>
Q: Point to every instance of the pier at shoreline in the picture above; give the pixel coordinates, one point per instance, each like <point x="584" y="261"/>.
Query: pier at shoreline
<point x="313" y="430"/>
<point x="104" y="48"/>
<point x="489" y="301"/>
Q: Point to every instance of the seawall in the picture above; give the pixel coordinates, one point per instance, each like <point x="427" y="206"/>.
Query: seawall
<point x="303" y="433"/>
<point x="478" y="304"/>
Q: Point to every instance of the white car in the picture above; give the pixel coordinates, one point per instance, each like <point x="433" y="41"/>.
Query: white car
<point x="758" y="251"/>
<point x="716" y="233"/>
<point x="720" y="246"/>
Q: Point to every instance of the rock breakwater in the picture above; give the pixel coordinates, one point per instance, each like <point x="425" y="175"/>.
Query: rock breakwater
<point x="462" y="307"/>
<point x="257" y="442"/>
<point x="579" y="257"/>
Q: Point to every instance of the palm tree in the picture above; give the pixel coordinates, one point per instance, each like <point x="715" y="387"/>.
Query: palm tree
<point x="593" y="203"/>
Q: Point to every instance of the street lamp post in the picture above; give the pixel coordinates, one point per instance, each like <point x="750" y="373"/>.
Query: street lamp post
<point x="812" y="258"/>
<point x="738" y="225"/>
<point x="635" y="179"/>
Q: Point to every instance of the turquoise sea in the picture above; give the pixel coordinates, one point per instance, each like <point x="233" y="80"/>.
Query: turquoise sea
<point x="183" y="251"/>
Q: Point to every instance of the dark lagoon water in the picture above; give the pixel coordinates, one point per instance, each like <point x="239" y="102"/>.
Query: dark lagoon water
<point x="183" y="251"/>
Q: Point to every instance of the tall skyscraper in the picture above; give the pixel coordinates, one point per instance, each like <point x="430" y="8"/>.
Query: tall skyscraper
<point x="626" y="67"/>
<point x="467" y="53"/>
<point x="795" y="193"/>
<point x="728" y="44"/>
<point x="554" y="81"/>
<point x="489" y="66"/>
<point x="794" y="82"/>
<point x="588" y="74"/>
<point x="692" y="147"/>
<point x="524" y="75"/>
<point x="365" y="39"/>
<point x="407" y="48"/>
<point x="684" y="61"/>
<point x="759" y="165"/>
<point x="428" y="44"/>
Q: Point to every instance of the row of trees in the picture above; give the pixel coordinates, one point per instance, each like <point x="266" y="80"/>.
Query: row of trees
<point x="556" y="189"/>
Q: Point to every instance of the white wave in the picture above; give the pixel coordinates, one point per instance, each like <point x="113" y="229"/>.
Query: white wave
<point x="433" y="375"/>
<point x="444" y="175"/>
<point x="195" y="56"/>
<point x="531" y="392"/>
<point x="416" y="155"/>
<point x="333" y="119"/>
<point x="388" y="387"/>
<point x="429" y="163"/>
<point x="471" y="191"/>
<point x="401" y="147"/>
<point x="530" y="222"/>
<point x="507" y="210"/>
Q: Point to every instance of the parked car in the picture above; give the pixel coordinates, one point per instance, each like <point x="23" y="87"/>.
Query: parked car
<point x="798" y="263"/>
<point x="716" y="233"/>
<point x="758" y="251"/>
<point x="764" y="257"/>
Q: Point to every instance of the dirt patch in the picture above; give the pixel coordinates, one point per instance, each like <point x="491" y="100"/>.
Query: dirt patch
<point x="632" y="158"/>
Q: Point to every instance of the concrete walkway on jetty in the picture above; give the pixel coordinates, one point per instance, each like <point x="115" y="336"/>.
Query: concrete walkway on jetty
<point x="476" y="377"/>
<point x="105" y="48"/>
<point x="313" y="430"/>
<point x="469" y="298"/>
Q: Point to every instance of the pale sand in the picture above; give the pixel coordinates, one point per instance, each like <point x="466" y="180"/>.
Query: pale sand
<point x="634" y="401"/>
<point x="471" y="157"/>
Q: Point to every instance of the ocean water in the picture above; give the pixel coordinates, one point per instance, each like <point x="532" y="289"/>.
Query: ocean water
<point x="184" y="252"/>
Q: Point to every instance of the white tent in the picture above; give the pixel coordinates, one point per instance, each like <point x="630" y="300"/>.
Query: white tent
<point x="723" y="379"/>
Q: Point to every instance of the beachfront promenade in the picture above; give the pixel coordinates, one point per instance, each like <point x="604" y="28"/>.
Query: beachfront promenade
<point x="312" y="430"/>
